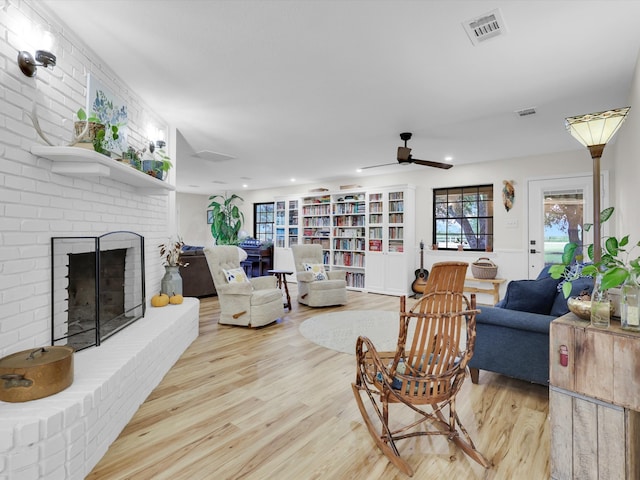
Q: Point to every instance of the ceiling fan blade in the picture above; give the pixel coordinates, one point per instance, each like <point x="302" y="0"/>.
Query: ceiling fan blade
<point x="376" y="166"/>
<point x="428" y="163"/>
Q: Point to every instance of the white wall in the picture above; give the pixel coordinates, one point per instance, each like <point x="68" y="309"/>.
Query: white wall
<point x="510" y="243"/>
<point x="36" y="204"/>
<point x="626" y="167"/>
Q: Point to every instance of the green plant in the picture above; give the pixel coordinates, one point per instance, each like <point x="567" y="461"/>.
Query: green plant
<point x="227" y="219"/>
<point x="82" y="116"/>
<point x="616" y="264"/>
<point x="165" y="159"/>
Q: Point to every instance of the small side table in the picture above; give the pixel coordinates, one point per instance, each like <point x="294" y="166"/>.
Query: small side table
<point x="281" y="276"/>
<point x="493" y="290"/>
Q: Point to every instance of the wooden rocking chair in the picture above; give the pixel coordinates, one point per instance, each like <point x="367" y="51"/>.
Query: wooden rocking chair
<point x="424" y="375"/>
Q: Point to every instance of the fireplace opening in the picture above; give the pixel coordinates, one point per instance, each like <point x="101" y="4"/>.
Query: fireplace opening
<point x="97" y="287"/>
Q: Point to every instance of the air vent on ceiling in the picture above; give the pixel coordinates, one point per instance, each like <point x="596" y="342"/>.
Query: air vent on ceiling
<point x="526" y="112"/>
<point x="485" y="27"/>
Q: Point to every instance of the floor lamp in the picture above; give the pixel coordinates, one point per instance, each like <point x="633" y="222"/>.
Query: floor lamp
<point x="594" y="130"/>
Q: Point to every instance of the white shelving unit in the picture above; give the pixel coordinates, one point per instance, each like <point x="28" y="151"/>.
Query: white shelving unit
<point x="348" y="236"/>
<point x="368" y="234"/>
<point x="82" y="162"/>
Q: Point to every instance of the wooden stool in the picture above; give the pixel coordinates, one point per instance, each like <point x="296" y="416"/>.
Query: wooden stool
<point x="281" y="276"/>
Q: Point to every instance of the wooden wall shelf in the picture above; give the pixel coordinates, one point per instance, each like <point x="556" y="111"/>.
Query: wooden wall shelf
<point x="82" y="162"/>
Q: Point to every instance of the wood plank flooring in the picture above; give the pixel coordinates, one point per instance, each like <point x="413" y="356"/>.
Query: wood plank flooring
<point x="268" y="404"/>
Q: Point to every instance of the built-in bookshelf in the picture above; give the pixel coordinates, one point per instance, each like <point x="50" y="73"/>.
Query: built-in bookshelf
<point x="367" y="234"/>
<point x="349" y="241"/>
<point x="316" y="223"/>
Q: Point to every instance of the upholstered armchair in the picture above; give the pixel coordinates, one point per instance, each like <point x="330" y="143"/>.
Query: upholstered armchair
<point x="249" y="302"/>
<point x="316" y="286"/>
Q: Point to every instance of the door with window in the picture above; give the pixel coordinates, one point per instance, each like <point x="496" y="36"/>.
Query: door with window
<point x="558" y="209"/>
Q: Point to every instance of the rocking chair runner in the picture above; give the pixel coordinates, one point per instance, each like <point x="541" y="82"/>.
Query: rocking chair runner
<point x="426" y="373"/>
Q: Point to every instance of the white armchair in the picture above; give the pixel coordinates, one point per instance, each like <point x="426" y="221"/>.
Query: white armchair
<point x="249" y="302"/>
<point x="312" y="291"/>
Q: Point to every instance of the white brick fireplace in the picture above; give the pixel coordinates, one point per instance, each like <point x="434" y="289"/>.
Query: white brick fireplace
<point x="65" y="435"/>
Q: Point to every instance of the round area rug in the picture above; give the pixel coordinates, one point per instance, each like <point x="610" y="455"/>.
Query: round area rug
<point x="340" y="330"/>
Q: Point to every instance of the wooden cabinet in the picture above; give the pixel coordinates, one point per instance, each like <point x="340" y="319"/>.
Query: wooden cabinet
<point x="594" y="401"/>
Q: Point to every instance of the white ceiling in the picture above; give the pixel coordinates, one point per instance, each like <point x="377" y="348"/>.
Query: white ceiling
<point x="315" y="89"/>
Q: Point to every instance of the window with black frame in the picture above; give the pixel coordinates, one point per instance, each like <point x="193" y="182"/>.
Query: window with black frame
<point x="263" y="218"/>
<point x="463" y="218"/>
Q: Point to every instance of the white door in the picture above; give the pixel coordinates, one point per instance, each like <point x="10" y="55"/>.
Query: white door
<point x="558" y="207"/>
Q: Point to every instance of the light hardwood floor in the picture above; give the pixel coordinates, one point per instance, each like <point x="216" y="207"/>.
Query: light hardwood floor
<point x="266" y="403"/>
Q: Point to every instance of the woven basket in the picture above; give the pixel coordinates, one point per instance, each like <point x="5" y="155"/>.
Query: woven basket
<point x="484" y="268"/>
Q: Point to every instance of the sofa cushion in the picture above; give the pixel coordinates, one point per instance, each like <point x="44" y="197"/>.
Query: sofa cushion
<point x="578" y="285"/>
<point x="510" y="319"/>
<point x="534" y="296"/>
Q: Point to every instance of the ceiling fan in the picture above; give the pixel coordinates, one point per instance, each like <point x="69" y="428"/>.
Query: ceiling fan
<point x="405" y="158"/>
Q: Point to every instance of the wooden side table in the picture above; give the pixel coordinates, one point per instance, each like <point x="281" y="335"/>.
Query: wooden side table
<point x="281" y="276"/>
<point x="493" y="290"/>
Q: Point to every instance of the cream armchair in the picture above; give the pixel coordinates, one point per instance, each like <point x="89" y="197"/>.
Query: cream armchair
<point x="249" y="302"/>
<point x="312" y="291"/>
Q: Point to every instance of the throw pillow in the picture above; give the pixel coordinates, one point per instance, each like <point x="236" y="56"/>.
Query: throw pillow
<point x="535" y="296"/>
<point x="317" y="269"/>
<point x="236" y="275"/>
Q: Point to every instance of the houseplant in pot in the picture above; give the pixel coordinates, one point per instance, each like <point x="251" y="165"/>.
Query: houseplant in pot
<point x="616" y="267"/>
<point x="156" y="162"/>
<point x="227" y="219"/>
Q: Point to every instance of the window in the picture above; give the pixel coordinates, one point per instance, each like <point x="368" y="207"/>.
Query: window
<point x="463" y="216"/>
<point x="263" y="221"/>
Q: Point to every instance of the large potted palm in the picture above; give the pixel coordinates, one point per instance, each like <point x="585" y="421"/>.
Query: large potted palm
<point x="227" y="219"/>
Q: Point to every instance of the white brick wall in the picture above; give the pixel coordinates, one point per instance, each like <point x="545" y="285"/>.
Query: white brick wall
<point x="64" y="436"/>
<point x="36" y="204"/>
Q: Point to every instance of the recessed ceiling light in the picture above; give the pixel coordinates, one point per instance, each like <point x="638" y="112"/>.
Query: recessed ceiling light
<point x="293" y="179"/>
<point x="245" y="185"/>
<point x="448" y="158"/>
<point x="359" y="170"/>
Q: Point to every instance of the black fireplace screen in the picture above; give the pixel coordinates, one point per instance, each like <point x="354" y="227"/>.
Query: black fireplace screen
<point x="97" y="287"/>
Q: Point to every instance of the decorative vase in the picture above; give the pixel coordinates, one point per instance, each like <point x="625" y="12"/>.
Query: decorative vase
<point x="630" y="314"/>
<point x="600" y="305"/>
<point x="171" y="283"/>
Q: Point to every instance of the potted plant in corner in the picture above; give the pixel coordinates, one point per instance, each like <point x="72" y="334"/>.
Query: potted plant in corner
<point x="227" y="219"/>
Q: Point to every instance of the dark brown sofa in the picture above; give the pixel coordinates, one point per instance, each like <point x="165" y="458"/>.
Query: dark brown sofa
<point x="196" y="277"/>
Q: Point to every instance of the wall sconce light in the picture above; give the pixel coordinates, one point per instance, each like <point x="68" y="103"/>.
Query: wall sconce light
<point x="594" y="130"/>
<point x="28" y="64"/>
<point x="43" y="58"/>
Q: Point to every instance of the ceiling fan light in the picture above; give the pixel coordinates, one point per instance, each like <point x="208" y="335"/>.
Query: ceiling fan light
<point x="596" y="128"/>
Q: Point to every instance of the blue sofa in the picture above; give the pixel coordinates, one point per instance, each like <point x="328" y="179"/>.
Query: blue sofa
<point x="513" y="336"/>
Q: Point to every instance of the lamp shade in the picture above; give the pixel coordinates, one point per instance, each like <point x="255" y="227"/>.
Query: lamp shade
<point x="596" y="128"/>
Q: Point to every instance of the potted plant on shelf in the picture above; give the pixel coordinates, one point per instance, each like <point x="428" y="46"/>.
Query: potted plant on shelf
<point x="89" y="130"/>
<point x="227" y="219"/>
<point x="156" y="162"/>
